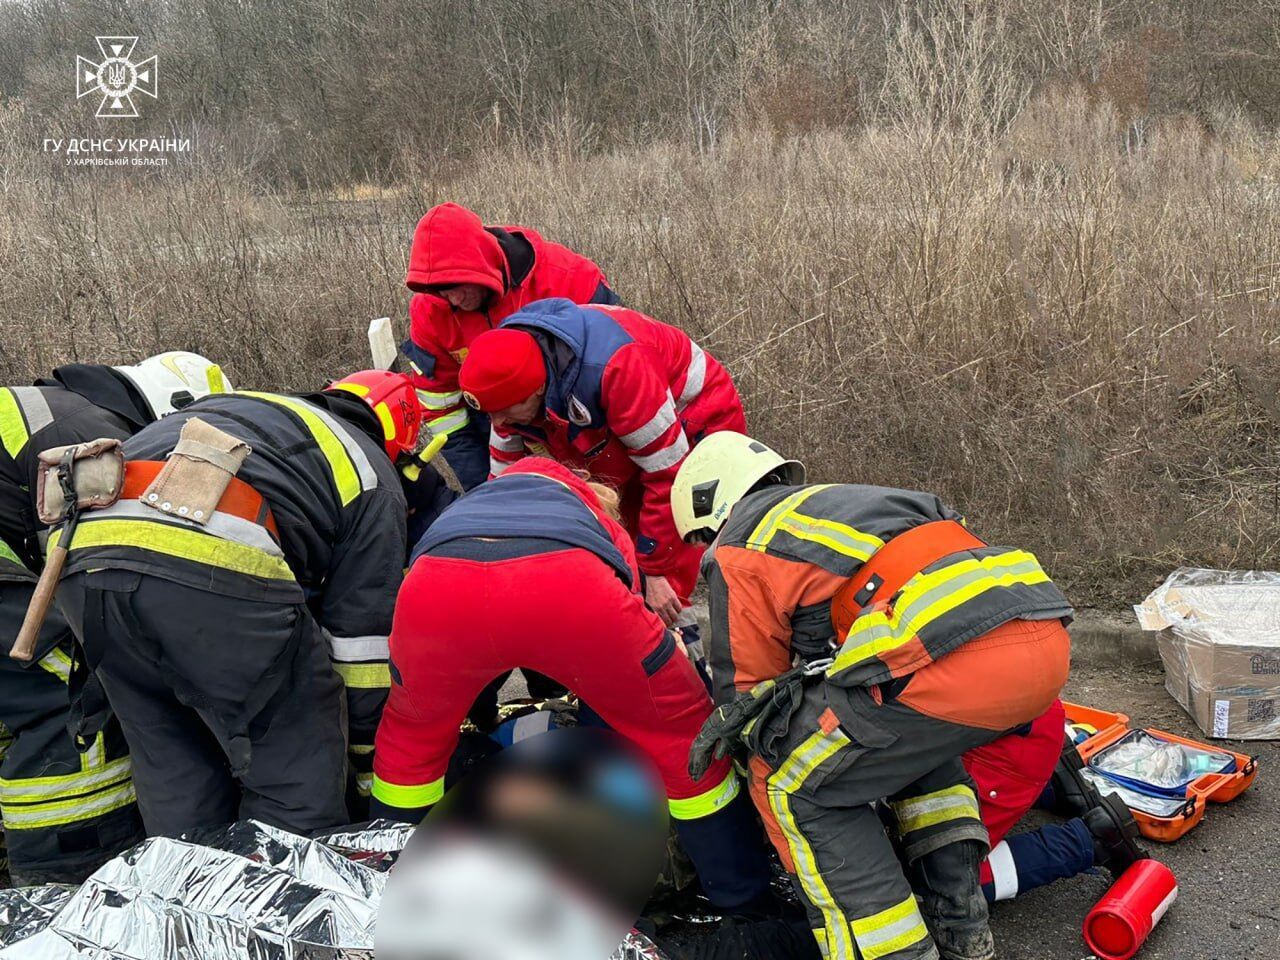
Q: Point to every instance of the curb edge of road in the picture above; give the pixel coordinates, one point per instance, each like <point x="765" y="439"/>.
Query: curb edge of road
<point x="1098" y="637"/>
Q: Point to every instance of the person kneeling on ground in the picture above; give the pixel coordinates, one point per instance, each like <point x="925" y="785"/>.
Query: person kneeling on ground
<point x="953" y="643"/>
<point x="538" y="574"/>
<point x="235" y="602"/>
<point x="66" y="799"/>
<point x="1036" y="766"/>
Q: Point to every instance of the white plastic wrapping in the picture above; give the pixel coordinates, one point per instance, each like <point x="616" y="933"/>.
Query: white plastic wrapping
<point x="244" y="891"/>
<point x="1220" y="645"/>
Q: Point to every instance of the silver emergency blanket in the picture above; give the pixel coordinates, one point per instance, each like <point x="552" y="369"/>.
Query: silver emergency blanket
<point x="244" y="891"/>
<point x="26" y="911"/>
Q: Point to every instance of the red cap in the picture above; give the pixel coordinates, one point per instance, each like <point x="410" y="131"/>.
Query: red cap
<point x="503" y="367"/>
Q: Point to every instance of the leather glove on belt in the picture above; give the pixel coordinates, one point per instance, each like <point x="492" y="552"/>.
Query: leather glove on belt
<point x="723" y="730"/>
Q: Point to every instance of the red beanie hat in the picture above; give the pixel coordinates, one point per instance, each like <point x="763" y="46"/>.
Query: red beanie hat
<point x="503" y="367"/>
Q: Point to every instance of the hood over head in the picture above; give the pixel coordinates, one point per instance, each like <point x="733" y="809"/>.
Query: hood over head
<point x="452" y="246"/>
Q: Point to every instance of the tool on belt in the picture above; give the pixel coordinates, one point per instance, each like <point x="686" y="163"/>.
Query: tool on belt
<point x="69" y="479"/>
<point x="196" y="481"/>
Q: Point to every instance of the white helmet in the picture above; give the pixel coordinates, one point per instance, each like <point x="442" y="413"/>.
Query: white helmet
<point x="719" y="472"/>
<point x="170" y="381"/>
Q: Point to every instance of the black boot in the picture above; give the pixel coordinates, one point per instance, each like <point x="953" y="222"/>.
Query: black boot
<point x="951" y="900"/>
<point x="1073" y="795"/>
<point x="1115" y="835"/>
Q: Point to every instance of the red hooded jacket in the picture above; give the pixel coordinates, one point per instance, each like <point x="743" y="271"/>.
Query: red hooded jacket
<point x="451" y="246"/>
<point x="627" y="396"/>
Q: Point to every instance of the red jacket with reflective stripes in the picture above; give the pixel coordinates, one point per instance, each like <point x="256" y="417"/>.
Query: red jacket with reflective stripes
<point x="450" y="246"/>
<point x="626" y="398"/>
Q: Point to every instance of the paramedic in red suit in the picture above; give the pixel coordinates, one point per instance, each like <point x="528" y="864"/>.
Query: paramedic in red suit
<point x="1017" y="772"/>
<point x="467" y="278"/>
<point x="539" y="575"/>
<point x="619" y="394"/>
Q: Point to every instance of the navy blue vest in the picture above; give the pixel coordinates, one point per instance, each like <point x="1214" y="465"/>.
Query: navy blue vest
<point x="525" y="505"/>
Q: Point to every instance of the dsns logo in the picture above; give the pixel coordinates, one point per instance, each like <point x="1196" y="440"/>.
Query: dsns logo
<point x="117" y="78"/>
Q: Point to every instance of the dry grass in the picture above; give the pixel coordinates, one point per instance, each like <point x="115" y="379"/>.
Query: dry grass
<point x="1068" y="330"/>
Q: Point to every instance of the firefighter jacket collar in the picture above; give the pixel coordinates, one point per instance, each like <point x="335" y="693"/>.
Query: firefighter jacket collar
<point x="103" y="387"/>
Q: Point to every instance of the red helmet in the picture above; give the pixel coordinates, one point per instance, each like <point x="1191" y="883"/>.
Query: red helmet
<point x="393" y="399"/>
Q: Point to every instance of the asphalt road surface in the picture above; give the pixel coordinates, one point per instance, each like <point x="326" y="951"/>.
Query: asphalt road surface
<point x="1228" y="867"/>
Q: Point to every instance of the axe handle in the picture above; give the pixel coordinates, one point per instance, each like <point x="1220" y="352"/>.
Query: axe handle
<point x="38" y="609"/>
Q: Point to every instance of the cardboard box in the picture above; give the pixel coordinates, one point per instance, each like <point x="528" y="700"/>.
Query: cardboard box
<point x="1219" y="642"/>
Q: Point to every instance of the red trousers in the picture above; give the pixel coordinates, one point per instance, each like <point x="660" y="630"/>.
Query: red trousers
<point x="460" y="623"/>
<point x="1011" y="773"/>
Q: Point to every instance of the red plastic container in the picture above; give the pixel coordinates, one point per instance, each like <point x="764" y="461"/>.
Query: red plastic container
<point x="1122" y="920"/>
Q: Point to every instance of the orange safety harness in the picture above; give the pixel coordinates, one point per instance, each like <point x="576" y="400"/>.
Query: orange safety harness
<point x="894" y="564"/>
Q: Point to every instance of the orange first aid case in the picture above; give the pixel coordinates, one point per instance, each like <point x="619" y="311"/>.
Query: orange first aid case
<point x="1210" y="788"/>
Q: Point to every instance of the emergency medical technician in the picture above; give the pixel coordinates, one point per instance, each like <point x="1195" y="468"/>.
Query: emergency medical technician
<point x="539" y="575"/>
<point x="950" y="643"/>
<point x="469" y="277"/>
<point x="67" y="803"/>
<point x="223" y="631"/>
<point x="614" y="392"/>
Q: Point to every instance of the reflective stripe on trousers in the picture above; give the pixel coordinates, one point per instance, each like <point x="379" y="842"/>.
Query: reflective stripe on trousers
<point x="879" y="935"/>
<point x="100" y="787"/>
<point x="789" y="778"/>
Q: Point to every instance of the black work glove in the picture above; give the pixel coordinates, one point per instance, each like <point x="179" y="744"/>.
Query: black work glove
<point x="723" y="729"/>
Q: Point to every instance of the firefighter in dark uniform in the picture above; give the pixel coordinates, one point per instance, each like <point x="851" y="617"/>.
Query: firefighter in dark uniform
<point x="234" y="639"/>
<point x="66" y="797"/>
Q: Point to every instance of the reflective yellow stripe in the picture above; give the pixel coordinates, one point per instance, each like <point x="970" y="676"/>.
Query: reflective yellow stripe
<point x="360" y="749"/>
<point x="431" y="400"/>
<point x="364" y="784"/>
<point x="180" y="542"/>
<point x="890" y="930"/>
<point x="95" y="758"/>
<point x="768" y="527"/>
<point x="450" y="423"/>
<point x="953" y="803"/>
<point x="707" y="802"/>
<point x="57" y="663"/>
<point x="364" y="676"/>
<point x="838" y="941"/>
<point x="213" y="376"/>
<point x="407" y="797"/>
<point x="344" y="471"/>
<point x="6" y="553"/>
<point x="840" y="537"/>
<point x="13" y="426"/>
<point x="789" y="778"/>
<point x="32" y="816"/>
<point x="820" y="934"/>
<point x="39" y="789"/>
<point x="928" y="597"/>
<point x="806" y="758"/>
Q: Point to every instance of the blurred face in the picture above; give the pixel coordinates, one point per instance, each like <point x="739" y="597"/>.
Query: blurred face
<point x="464" y="296"/>
<point x="525" y="412"/>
